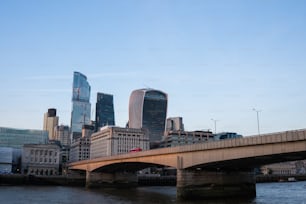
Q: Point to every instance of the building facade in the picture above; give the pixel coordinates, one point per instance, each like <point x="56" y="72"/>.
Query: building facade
<point x="41" y="159"/>
<point x="177" y="138"/>
<point x="174" y="124"/>
<point x="62" y="134"/>
<point x="285" y="168"/>
<point x="226" y="135"/>
<point x="16" y="138"/>
<point x="81" y="107"/>
<point x="80" y="147"/>
<point x="104" y="110"/>
<point x="50" y="122"/>
<point x="6" y="160"/>
<point x="111" y="140"/>
<point x="148" y="109"/>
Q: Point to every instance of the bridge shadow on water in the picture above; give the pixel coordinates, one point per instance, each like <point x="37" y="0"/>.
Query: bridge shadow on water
<point x="160" y="194"/>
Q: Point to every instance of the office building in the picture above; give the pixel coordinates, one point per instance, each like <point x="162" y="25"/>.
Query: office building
<point x="41" y="159"/>
<point x="62" y="135"/>
<point x="174" y="124"/>
<point x="6" y="160"/>
<point x="177" y="137"/>
<point x="148" y="109"/>
<point x="16" y="138"/>
<point x="80" y="147"/>
<point x="81" y="107"/>
<point x="50" y="122"/>
<point x="226" y="135"/>
<point x="104" y="110"/>
<point x="111" y="140"/>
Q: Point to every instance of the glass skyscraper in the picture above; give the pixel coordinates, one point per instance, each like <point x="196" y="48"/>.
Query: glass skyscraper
<point x="104" y="110"/>
<point x="81" y="107"/>
<point x="148" y="109"/>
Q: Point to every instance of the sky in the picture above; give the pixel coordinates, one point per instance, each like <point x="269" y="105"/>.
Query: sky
<point x="216" y="59"/>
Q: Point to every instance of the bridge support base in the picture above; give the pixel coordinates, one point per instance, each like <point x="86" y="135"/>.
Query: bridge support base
<point x="196" y="184"/>
<point x="116" y="179"/>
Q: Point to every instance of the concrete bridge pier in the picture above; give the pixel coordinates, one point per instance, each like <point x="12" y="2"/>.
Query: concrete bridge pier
<point x="116" y="179"/>
<point x="196" y="184"/>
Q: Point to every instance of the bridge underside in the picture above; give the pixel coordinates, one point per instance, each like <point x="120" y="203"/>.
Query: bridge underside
<point x="251" y="163"/>
<point x="125" y="167"/>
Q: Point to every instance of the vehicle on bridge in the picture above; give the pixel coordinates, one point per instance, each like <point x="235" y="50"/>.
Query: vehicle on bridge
<point x="136" y="149"/>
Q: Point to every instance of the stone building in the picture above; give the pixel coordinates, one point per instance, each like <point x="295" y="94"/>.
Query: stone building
<point x="177" y="138"/>
<point x="112" y="140"/>
<point x="80" y="147"/>
<point x="41" y="159"/>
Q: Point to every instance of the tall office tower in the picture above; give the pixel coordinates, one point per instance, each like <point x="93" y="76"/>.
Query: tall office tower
<point x="104" y="110"/>
<point x="175" y="124"/>
<point x="50" y="122"/>
<point x="148" y="109"/>
<point x="80" y="114"/>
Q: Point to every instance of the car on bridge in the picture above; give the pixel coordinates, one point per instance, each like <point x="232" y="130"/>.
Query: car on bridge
<point x="136" y="149"/>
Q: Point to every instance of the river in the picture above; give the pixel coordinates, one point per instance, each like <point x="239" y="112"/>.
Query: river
<point x="267" y="193"/>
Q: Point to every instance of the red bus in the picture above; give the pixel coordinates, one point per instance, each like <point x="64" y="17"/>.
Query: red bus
<point x="136" y="149"/>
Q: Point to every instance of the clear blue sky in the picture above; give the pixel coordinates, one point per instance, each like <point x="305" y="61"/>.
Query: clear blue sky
<point x="215" y="59"/>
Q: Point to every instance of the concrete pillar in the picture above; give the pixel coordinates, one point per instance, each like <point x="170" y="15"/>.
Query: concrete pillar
<point x="116" y="179"/>
<point x="195" y="184"/>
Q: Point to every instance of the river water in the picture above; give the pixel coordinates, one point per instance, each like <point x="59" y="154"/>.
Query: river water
<point x="267" y="193"/>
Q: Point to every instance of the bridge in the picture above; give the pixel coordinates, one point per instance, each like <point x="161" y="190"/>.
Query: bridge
<point x="211" y="169"/>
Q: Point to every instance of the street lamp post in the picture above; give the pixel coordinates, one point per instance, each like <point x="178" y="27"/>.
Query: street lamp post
<point x="257" y="113"/>
<point x="215" y="122"/>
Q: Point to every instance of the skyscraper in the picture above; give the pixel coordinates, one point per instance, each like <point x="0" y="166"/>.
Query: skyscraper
<point x="50" y="122"/>
<point x="80" y="114"/>
<point x="148" y="109"/>
<point x="104" y="110"/>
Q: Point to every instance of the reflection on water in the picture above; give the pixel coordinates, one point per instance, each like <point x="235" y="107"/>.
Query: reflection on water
<point x="267" y="193"/>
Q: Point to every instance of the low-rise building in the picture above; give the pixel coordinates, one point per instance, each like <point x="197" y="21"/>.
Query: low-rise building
<point x="177" y="138"/>
<point x="41" y="159"/>
<point x="226" y="135"/>
<point x="112" y="140"/>
<point x="80" y="149"/>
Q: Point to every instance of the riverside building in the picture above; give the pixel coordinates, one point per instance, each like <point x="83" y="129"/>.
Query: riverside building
<point x="80" y="147"/>
<point x="112" y="140"/>
<point x="41" y="159"/>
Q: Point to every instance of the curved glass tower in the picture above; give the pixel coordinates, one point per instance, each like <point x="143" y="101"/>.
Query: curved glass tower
<point x="80" y="114"/>
<point x="148" y="109"/>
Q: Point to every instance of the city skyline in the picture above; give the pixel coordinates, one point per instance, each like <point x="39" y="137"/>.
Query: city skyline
<point x="214" y="59"/>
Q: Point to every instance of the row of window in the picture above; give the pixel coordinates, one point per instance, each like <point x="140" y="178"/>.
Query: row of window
<point x="44" y="160"/>
<point x="42" y="152"/>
